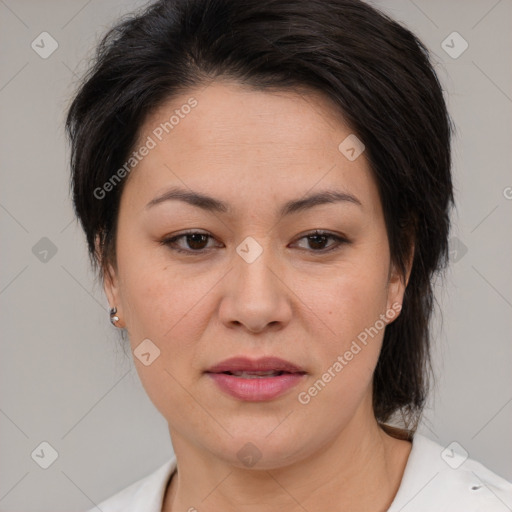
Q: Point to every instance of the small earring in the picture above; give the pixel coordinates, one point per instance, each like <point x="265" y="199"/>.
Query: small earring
<point x="113" y="318"/>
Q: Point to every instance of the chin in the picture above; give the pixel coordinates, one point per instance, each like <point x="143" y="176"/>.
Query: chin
<point x="266" y="449"/>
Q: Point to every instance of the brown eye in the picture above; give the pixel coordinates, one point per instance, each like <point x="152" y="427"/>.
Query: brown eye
<point x="196" y="240"/>
<point x="318" y="240"/>
<point x="192" y="242"/>
<point x="197" y="243"/>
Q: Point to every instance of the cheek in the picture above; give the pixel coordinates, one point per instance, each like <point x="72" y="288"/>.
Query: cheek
<point x="350" y="300"/>
<point x="348" y="309"/>
<point x="165" y="304"/>
<point x="350" y="333"/>
<point x="160" y="303"/>
<point x="167" y="309"/>
<point x="147" y="282"/>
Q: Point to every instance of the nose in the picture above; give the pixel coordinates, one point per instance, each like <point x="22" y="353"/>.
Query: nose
<point x="255" y="295"/>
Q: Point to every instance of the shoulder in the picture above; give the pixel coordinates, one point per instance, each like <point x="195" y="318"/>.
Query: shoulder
<point x="438" y="478"/>
<point x="144" y="495"/>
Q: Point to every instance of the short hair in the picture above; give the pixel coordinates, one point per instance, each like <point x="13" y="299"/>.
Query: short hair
<point x="375" y="72"/>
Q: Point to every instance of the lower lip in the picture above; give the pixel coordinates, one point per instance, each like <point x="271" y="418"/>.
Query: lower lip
<point x="258" y="389"/>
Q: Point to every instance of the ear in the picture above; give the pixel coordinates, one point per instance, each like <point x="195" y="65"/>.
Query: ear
<point x="397" y="284"/>
<point x="111" y="286"/>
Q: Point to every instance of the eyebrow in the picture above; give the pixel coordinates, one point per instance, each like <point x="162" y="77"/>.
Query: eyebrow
<point x="210" y="204"/>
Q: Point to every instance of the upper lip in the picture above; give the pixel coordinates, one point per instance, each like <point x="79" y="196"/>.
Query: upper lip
<point x="239" y="364"/>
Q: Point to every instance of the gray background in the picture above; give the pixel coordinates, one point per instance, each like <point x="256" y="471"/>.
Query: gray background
<point x="65" y="377"/>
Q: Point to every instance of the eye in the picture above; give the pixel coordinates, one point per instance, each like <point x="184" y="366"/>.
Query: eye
<point x="318" y="239"/>
<point x="195" y="241"/>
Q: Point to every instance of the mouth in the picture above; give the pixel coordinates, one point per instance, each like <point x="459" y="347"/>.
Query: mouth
<point x="255" y="380"/>
<point x="256" y="375"/>
<point x="265" y="366"/>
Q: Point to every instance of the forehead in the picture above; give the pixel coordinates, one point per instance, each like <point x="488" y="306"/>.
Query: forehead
<point x="229" y="111"/>
<point x="248" y="143"/>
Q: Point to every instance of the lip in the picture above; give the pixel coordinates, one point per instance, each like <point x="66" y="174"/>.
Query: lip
<point x="257" y="389"/>
<point x="240" y="364"/>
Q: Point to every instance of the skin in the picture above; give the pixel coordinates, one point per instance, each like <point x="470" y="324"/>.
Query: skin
<point x="256" y="150"/>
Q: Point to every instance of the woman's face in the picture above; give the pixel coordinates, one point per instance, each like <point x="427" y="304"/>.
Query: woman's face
<point x="257" y="286"/>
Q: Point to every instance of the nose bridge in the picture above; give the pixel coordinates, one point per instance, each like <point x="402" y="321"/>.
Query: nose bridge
<point x="255" y="296"/>
<point x="255" y="268"/>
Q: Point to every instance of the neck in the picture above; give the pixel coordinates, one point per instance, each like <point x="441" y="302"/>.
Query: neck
<point x="360" y="469"/>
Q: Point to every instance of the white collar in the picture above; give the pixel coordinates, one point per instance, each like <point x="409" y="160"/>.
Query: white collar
<point x="429" y="484"/>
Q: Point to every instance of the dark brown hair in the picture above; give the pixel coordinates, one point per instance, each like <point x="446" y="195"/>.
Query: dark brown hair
<point x="375" y="70"/>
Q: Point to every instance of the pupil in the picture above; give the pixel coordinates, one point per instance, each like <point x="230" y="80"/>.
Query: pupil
<point x="193" y="244"/>
<point x="323" y="237"/>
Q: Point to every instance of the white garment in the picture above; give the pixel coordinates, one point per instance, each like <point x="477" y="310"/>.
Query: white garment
<point x="429" y="483"/>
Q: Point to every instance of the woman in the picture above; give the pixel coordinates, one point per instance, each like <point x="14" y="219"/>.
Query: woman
<point x="265" y="189"/>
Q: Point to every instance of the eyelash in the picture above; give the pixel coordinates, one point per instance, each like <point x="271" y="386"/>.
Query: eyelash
<point x="171" y="241"/>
